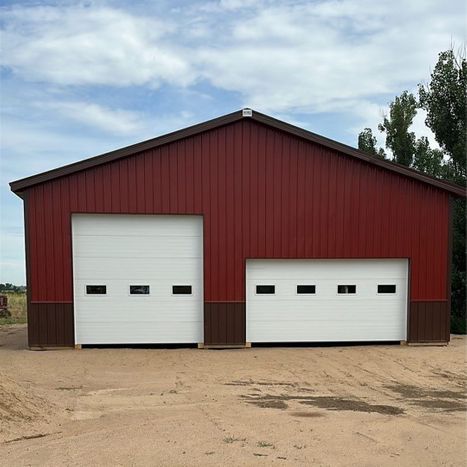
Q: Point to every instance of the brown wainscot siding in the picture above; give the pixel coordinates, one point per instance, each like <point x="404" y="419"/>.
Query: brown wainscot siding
<point x="224" y="323"/>
<point x="429" y="321"/>
<point x="50" y="325"/>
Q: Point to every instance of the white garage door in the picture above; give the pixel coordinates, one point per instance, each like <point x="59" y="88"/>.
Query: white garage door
<point x="326" y="300"/>
<point x="137" y="279"/>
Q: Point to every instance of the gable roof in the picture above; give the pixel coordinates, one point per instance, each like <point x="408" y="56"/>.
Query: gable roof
<point x="20" y="185"/>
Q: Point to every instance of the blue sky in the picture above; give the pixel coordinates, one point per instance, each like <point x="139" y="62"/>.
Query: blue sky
<point x="82" y="78"/>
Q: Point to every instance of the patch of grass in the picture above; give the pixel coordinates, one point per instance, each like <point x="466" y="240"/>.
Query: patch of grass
<point x="17" y="307"/>
<point x="230" y="439"/>
<point x="265" y="444"/>
<point x="6" y="321"/>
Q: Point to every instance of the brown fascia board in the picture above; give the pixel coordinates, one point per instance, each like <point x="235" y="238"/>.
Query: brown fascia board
<point x="19" y="185"/>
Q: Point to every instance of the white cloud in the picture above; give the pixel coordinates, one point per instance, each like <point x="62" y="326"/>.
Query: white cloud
<point x="279" y="56"/>
<point x="316" y="57"/>
<point x="222" y="6"/>
<point x="238" y="4"/>
<point x="91" y="45"/>
<point x="99" y="117"/>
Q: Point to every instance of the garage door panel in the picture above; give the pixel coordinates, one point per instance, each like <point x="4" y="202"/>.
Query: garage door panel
<point x="326" y="269"/>
<point x="151" y="332"/>
<point x="144" y="268"/>
<point x="321" y="334"/>
<point x="334" y="317"/>
<point x="122" y="250"/>
<point x="136" y="308"/>
<point x="146" y="247"/>
<point x="136" y="225"/>
<point x="326" y="315"/>
<point x="164" y="312"/>
<point x="323" y="308"/>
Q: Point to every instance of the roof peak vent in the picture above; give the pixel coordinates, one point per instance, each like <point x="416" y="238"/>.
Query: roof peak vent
<point x="247" y="112"/>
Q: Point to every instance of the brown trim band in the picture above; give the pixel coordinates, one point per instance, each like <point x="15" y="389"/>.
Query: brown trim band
<point x="51" y="325"/>
<point x="19" y="185"/>
<point x="429" y="321"/>
<point x="224" y="323"/>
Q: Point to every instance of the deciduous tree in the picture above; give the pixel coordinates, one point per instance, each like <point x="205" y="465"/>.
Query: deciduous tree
<point x="367" y="143"/>
<point x="396" y="125"/>
<point x="445" y="101"/>
<point x="428" y="160"/>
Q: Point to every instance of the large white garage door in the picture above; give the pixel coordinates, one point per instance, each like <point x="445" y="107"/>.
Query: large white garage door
<point x="326" y="300"/>
<point x="137" y="279"/>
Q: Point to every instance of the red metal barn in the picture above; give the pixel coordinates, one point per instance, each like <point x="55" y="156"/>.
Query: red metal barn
<point x="240" y="229"/>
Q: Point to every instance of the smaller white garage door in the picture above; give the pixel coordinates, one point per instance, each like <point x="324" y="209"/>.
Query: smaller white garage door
<point x="326" y="300"/>
<point x="137" y="279"/>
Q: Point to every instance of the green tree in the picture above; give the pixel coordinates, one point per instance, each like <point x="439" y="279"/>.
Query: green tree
<point x="396" y="125"/>
<point x="427" y="160"/>
<point x="445" y="101"/>
<point x="367" y="143"/>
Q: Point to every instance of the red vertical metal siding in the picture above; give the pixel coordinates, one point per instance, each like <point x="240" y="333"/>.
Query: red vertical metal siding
<point x="263" y="193"/>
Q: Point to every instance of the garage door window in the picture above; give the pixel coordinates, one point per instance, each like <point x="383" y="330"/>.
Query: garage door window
<point x="181" y="289"/>
<point x="346" y="289"/>
<point x="265" y="289"/>
<point x="306" y="289"/>
<point x="386" y="288"/>
<point x="96" y="290"/>
<point x="139" y="289"/>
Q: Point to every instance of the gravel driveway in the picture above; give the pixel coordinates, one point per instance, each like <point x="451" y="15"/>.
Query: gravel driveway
<point x="355" y="405"/>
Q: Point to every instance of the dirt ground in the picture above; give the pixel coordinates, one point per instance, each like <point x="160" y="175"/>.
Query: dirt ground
<point x="353" y="406"/>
